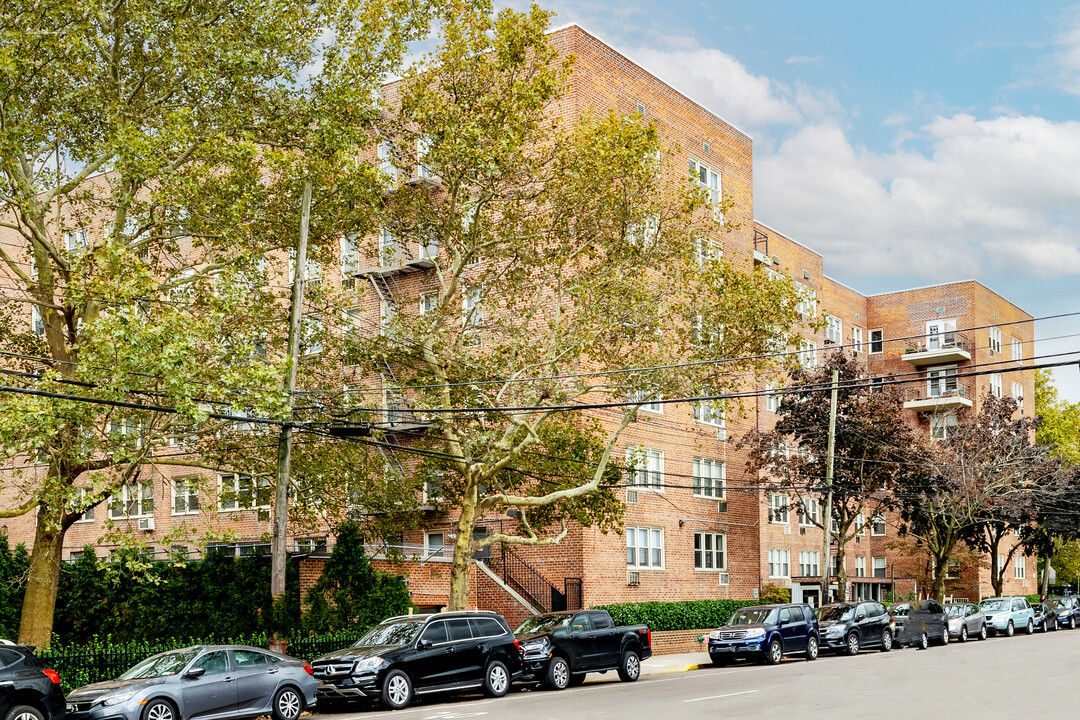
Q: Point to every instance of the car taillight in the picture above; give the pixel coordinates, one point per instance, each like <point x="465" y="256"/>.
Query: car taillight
<point x="52" y="675"/>
<point x="518" y="646"/>
<point x="648" y="636"/>
<point x="307" y="669"/>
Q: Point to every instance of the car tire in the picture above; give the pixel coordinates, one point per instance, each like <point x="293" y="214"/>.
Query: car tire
<point x="852" y="644"/>
<point x="288" y="704"/>
<point x="1030" y="629"/>
<point x="24" y="712"/>
<point x="558" y="674"/>
<point x="159" y="709"/>
<point x="397" y="690"/>
<point x="924" y="640"/>
<point x="630" y="667"/>
<point x="886" y="640"/>
<point x="775" y="652"/>
<point x="944" y="635"/>
<point x="812" y="648"/>
<point x="577" y="680"/>
<point x="1010" y="629"/>
<point x="982" y="632"/>
<point x="963" y="633"/>
<point x="1072" y="623"/>
<point x="496" y="679"/>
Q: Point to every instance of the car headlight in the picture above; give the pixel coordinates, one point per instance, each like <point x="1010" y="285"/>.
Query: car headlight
<point x="368" y="664"/>
<point x="714" y="635"/>
<point x="755" y="632"/>
<point x="535" y="647"/>
<point x="117" y="699"/>
<point x="835" y="630"/>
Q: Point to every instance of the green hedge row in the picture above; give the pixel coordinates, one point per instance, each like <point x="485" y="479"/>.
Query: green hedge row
<point x="683" y="615"/>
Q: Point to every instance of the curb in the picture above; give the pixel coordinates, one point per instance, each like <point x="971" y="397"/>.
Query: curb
<point x="686" y="668"/>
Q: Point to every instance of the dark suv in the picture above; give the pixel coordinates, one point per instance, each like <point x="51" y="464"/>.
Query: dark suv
<point x="28" y="690"/>
<point x="766" y="632"/>
<point x="849" y="627"/>
<point x="421" y="654"/>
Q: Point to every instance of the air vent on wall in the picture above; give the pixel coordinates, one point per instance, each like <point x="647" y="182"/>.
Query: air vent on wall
<point x="724" y="578"/>
<point x="633" y="578"/>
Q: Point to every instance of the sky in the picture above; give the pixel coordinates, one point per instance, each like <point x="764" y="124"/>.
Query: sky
<point x="910" y="143"/>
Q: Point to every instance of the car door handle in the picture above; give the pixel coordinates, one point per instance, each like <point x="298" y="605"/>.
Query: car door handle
<point x="272" y="671"/>
<point x="229" y="679"/>
<point x="448" y="650"/>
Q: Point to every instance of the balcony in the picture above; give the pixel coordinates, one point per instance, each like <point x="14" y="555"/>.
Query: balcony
<point x="397" y="258"/>
<point x="939" y="394"/>
<point x="947" y="347"/>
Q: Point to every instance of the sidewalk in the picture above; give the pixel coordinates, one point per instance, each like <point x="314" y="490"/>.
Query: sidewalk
<point x="674" y="663"/>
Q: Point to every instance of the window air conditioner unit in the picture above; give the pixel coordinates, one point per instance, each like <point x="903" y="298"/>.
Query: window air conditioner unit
<point x="787" y="529"/>
<point x="146" y="524"/>
<point x="724" y="578"/>
<point x="633" y="578"/>
<point x="631" y="496"/>
<point x="721" y="506"/>
<point x="721" y="434"/>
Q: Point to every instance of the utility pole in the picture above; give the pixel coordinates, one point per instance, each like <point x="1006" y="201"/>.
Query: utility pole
<point x="278" y="551"/>
<point x="827" y="524"/>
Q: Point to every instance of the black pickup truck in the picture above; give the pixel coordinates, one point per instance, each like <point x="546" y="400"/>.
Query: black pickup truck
<point x="558" y="649"/>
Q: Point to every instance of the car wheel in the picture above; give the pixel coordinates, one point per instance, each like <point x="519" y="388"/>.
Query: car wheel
<point x="159" y="710"/>
<point x="886" y="640"/>
<point x="944" y="634"/>
<point x="982" y="632"/>
<point x="1072" y="623"/>
<point x="24" y="712"/>
<point x="719" y="660"/>
<point x="775" y="653"/>
<point x="812" y="648"/>
<point x="1009" y="629"/>
<point x="630" y="667"/>
<point x="558" y="674"/>
<point x="853" y="644"/>
<point x="963" y="633"/>
<point x="397" y="690"/>
<point x="1030" y="629"/>
<point x="287" y="704"/>
<point x="496" y="679"/>
<point x="924" y="641"/>
<point x="577" y="680"/>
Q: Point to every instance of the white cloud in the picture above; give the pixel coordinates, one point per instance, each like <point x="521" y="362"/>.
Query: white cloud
<point x="1068" y="57"/>
<point x="803" y="59"/>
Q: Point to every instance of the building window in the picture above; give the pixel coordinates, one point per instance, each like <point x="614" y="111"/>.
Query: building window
<point x="709" y="412"/>
<point x="860" y="523"/>
<point x="645" y="468"/>
<point x="37" y="322"/>
<point x="879" y="567"/>
<point x="778" y="508"/>
<point x="433" y="545"/>
<point x="311" y="333"/>
<point x="75" y="242"/>
<point x="241" y="492"/>
<point x="429" y="302"/>
<point x="185" y="497"/>
<point x="995" y="384"/>
<point x="807" y="301"/>
<point x="80" y="504"/>
<point x="707" y="250"/>
<point x="808" y="354"/>
<point x="350" y="255"/>
<point x="1020" y="567"/>
<point x="877" y="526"/>
<point x="708" y="478"/>
<point x="834" y="330"/>
<point x="995" y="340"/>
<point x="809" y="563"/>
<point x="133" y="500"/>
<point x="1017" y="347"/>
<point x="877" y="342"/>
<point x="644" y="547"/>
<point x="709" y="551"/>
<point x="941" y="382"/>
<point x="860" y="566"/>
<point x="772" y="399"/>
<point x="856" y="340"/>
<point x="809" y="512"/>
<point x="709" y="180"/>
<point x="1018" y="395"/>
<point x="779" y="563"/>
<point x="941" y="425"/>
<point x="651" y="404"/>
<point x="953" y="571"/>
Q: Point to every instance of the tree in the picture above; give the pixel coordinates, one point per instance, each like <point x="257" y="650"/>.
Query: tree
<point x="873" y="449"/>
<point x="150" y="157"/>
<point x="1059" y="431"/>
<point x="565" y="251"/>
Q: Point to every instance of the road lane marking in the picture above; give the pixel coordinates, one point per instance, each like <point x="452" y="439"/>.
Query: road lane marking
<point x="717" y="697"/>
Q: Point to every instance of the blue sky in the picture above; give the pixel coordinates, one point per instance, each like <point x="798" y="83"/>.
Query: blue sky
<point x="910" y="144"/>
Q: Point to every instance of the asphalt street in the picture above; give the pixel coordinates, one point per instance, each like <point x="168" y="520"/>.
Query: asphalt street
<point x="1000" y="678"/>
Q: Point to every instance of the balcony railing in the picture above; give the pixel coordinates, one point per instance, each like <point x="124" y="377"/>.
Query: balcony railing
<point x="949" y="346"/>
<point x="943" y="392"/>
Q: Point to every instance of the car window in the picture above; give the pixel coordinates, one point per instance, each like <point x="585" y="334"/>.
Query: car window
<point x="581" y="623"/>
<point x="486" y="627"/>
<point x="459" y="629"/>
<point x="860" y="612"/>
<point x="249" y="659"/>
<point x="1016" y="604"/>
<point x="214" y="663"/>
<point x="753" y="616"/>
<point x="808" y="613"/>
<point x="785" y="615"/>
<point x="600" y="621"/>
<point x="435" y="633"/>
<point x="9" y="657"/>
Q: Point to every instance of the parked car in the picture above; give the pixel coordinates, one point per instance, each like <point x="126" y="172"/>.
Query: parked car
<point x="204" y="681"/>
<point x="850" y="627"/>
<point x="1005" y="614"/>
<point x="1067" y="609"/>
<point x="966" y="620"/>
<point x="28" y="689"/>
<point x="1045" y="617"/>
<point x="918" y="623"/>
<point x="766" y="632"/>
<point x="558" y="649"/>
<point x="421" y="654"/>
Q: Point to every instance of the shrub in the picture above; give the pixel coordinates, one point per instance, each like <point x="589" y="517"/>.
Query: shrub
<point x="772" y="594"/>
<point x="683" y="615"/>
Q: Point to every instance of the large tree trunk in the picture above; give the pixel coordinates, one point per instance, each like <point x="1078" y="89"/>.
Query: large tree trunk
<point x="940" y="567"/>
<point x="43" y="579"/>
<point x="462" y="565"/>
<point x="841" y="575"/>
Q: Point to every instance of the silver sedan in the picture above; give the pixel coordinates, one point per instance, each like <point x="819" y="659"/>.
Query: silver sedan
<point x="965" y="620"/>
<point x="206" y="682"/>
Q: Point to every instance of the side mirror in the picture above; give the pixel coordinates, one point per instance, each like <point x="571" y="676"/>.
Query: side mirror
<point x="559" y="633"/>
<point x="425" y="643"/>
<point x="195" y="673"/>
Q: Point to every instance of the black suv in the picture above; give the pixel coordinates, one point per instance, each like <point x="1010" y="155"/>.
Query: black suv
<point x="28" y="690"/>
<point x="421" y="654"/>
<point x="849" y="627"/>
<point x="766" y="632"/>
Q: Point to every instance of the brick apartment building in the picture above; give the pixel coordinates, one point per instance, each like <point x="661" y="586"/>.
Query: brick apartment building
<point x="696" y="524"/>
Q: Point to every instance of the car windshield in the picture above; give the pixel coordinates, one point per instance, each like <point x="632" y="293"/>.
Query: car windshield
<point x="954" y="610"/>
<point x="543" y="623"/>
<point x="157" y="666"/>
<point x="1057" y="604"/>
<point x="753" y="616"/>
<point x="995" y="604"/>
<point x="398" y="632"/>
<point x="899" y="610"/>
<point x="835" y="613"/>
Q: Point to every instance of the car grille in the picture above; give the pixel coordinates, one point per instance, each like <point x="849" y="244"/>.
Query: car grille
<point x="323" y="671"/>
<point x="732" y="634"/>
<point x="79" y="707"/>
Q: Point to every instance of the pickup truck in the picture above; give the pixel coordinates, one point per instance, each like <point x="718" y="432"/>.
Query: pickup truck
<point x="558" y="649"/>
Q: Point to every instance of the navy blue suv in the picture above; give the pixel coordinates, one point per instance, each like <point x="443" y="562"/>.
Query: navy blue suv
<point x="766" y="632"/>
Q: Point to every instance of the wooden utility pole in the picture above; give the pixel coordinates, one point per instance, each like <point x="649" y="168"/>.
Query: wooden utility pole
<point x="827" y="515"/>
<point x="278" y="551"/>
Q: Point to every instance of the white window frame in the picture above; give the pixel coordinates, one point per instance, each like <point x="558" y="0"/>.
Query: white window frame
<point x="809" y="512"/>
<point x="87" y="515"/>
<point x="875" y="522"/>
<point x="653" y="545"/>
<point x="350" y="255"/>
<point x="37" y="322"/>
<point x="707" y="250"/>
<point x="711" y="181"/>
<point x="710" y="478"/>
<point x="995" y="340"/>
<point x="429" y="302"/>
<point x="807" y="304"/>
<point x="652" y="405"/>
<point x="772" y="398"/>
<point x="1020" y="567"/>
<point x="1018" y="395"/>
<point x="883" y="566"/>
<point x="995" y="384"/>
<point x="834" y="329"/>
<point x="645" y="468"/>
<point x="941" y="381"/>
<point x="187" y="490"/>
<point x="779" y="509"/>
<point x="236" y="479"/>
<point x="779" y="563"/>
<point x="856" y="340"/>
<point x="880" y="342"/>
<point x="1016" y="346"/>
<point x="808" y="354"/>
<point x="860" y="566"/>
<point x="809" y="563"/>
<point x="432" y="553"/>
<point x="133" y="495"/>
<point x="710" y="559"/>
<point x="710" y="412"/>
<point x="76" y="241"/>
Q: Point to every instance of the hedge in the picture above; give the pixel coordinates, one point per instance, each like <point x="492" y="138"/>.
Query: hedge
<point x="683" y="615"/>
